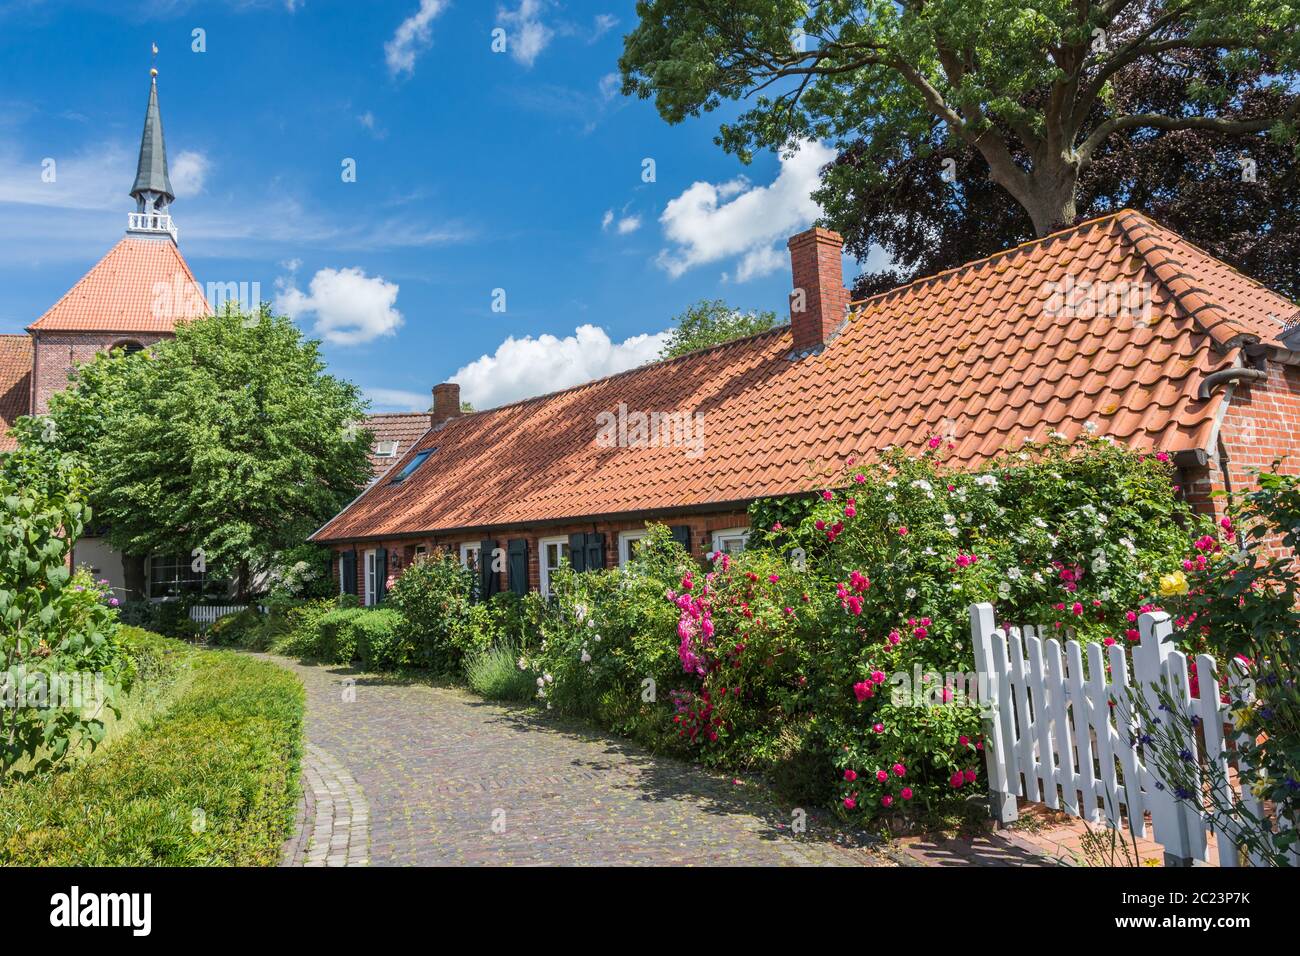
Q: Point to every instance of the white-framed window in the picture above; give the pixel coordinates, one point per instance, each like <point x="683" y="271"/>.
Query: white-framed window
<point x="627" y="545"/>
<point x="371" y="577"/>
<point x="730" y="540"/>
<point x="551" y="552"/>
<point x="171" y="575"/>
<point x="385" y="449"/>
<point x="469" y="554"/>
<point x="343" y="583"/>
<point x="421" y="552"/>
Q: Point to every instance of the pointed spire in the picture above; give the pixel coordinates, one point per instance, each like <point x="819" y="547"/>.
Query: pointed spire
<point x="153" y="187"/>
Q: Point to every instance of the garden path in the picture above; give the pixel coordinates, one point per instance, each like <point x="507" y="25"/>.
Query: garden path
<point x="411" y="774"/>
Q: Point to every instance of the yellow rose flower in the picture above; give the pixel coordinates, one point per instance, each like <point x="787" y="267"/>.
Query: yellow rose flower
<point x="1171" y="584"/>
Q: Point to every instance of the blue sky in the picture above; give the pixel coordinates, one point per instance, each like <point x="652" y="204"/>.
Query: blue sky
<point x="476" y="171"/>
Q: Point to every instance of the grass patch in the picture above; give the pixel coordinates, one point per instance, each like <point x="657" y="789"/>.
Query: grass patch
<point x="494" y="674"/>
<point x="202" y="770"/>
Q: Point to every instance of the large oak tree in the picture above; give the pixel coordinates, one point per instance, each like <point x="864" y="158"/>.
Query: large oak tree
<point x="1028" y="85"/>
<point x="1237" y="196"/>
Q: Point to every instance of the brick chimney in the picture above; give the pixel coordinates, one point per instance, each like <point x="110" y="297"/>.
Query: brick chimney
<point x="446" y="402"/>
<point x="819" y="301"/>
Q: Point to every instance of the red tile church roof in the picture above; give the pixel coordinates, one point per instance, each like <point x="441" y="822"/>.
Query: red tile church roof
<point x="141" y="285"/>
<point x="15" y="384"/>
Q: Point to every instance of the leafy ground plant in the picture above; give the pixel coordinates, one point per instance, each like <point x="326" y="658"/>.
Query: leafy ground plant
<point x="210" y="780"/>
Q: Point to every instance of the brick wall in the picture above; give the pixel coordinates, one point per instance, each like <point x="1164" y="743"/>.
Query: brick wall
<point x="401" y="552"/>
<point x="58" y="353"/>
<point x="1262" y="424"/>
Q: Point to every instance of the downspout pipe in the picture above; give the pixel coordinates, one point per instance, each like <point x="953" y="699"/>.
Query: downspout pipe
<point x="1215" y="379"/>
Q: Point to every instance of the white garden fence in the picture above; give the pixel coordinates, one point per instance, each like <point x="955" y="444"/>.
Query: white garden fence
<point x="1066" y="735"/>
<point x="205" y="615"/>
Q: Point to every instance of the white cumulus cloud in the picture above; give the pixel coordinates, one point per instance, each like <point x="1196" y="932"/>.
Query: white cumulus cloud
<point x="526" y="35"/>
<point x="397" y="400"/>
<point x="529" y="366"/>
<point x="189" y="171"/>
<point x="623" y="224"/>
<point x="413" y="36"/>
<point x="349" y="307"/>
<point x="736" y="220"/>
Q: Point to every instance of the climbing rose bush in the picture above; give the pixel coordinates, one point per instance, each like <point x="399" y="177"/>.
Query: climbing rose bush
<point x="848" y="618"/>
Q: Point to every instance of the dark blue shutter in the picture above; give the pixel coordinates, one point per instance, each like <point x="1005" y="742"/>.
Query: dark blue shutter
<point x="595" y="548"/>
<point x="578" y="552"/>
<point x="517" y="565"/>
<point x="381" y="574"/>
<point x="489" y="582"/>
<point x="682" y="535"/>
<point x="348" y="568"/>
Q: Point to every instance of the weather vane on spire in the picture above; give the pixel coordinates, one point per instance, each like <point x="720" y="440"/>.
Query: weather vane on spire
<point x="153" y="70"/>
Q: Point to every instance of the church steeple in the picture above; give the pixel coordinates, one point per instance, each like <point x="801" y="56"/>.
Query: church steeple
<point x="153" y="187"/>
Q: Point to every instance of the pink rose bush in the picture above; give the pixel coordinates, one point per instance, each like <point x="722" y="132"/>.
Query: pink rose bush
<point x="834" y="652"/>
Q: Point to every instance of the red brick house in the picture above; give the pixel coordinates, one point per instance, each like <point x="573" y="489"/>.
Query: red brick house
<point x="1115" y="325"/>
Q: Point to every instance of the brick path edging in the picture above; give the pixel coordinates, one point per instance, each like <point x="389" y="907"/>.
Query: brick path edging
<point x="333" y="825"/>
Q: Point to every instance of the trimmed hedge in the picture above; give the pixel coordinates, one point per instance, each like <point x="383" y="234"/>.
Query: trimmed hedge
<point x="211" y="781"/>
<point x="373" y="636"/>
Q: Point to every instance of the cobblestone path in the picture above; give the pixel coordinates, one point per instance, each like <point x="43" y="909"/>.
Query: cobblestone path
<point x="407" y="774"/>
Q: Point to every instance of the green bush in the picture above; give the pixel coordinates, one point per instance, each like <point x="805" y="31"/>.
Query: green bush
<point x="251" y="628"/>
<point x="302" y="635"/>
<point x="377" y="635"/>
<point x="605" y="651"/>
<point x="169" y="618"/>
<point x="318" y="630"/>
<point x="240" y="629"/>
<point x="211" y="781"/>
<point x="441" y="624"/>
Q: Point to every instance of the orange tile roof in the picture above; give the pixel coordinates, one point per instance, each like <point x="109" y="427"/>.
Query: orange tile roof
<point x="975" y="352"/>
<point x="15" y="384"/>
<point x="405" y="428"/>
<point x="141" y="285"/>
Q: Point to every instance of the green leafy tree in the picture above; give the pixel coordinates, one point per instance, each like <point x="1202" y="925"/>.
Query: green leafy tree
<point x="81" y="416"/>
<point x="56" y="631"/>
<point x="229" y="444"/>
<point x="930" y="205"/>
<point x="1028" y="84"/>
<point x="708" y="323"/>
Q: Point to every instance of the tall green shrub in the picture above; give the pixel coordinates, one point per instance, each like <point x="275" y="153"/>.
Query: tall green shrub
<point x="57" y="631"/>
<point x="440" y="623"/>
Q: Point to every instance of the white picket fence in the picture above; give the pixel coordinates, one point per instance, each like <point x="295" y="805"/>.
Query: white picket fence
<point x="205" y="615"/>
<point x="1066" y="735"/>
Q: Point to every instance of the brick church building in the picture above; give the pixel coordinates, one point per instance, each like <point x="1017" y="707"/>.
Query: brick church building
<point x="130" y="299"/>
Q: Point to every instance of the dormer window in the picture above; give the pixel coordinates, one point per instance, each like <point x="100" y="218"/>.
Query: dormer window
<point x="386" y="449"/>
<point x="410" y="466"/>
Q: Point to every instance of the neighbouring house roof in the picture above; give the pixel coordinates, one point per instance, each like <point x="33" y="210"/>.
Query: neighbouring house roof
<point x="141" y="285"/>
<point x="15" y="384"/>
<point x="977" y="352"/>
<point x="402" y="428"/>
